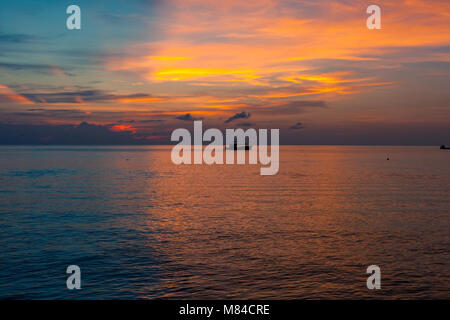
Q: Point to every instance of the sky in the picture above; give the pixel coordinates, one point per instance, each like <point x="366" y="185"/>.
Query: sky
<point x="137" y="70"/>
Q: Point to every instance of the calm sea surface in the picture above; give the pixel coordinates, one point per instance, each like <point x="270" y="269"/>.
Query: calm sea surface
<point x="140" y="227"/>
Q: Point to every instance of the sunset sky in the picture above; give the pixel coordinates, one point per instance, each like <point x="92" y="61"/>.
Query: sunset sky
<point x="310" y="68"/>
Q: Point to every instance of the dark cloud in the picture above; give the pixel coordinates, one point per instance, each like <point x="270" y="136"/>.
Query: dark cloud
<point x="297" y="126"/>
<point x="42" y="115"/>
<point x="239" y="115"/>
<point x="82" y="134"/>
<point x="84" y="95"/>
<point x="49" y="114"/>
<point x="19" y="66"/>
<point x="354" y="134"/>
<point x="187" y="117"/>
<point x="150" y="121"/>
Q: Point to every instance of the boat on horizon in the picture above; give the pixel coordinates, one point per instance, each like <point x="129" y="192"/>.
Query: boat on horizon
<point x="239" y="147"/>
<point x="444" y="147"/>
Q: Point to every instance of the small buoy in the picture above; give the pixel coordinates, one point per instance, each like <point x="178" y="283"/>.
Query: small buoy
<point x="387" y="158"/>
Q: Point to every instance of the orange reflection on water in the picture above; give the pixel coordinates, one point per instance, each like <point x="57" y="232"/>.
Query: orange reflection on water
<point x="308" y="232"/>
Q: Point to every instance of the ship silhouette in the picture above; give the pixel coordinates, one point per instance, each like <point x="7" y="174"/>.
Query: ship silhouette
<point x="235" y="146"/>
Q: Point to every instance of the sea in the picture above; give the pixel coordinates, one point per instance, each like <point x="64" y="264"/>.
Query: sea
<point x="140" y="227"/>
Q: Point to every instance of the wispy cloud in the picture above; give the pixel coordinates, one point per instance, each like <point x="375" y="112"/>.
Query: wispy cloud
<point x="7" y="95"/>
<point x="83" y="96"/>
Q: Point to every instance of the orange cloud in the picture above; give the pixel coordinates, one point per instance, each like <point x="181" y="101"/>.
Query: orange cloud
<point x="9" y="95"/>
<point x="258" y="53"/>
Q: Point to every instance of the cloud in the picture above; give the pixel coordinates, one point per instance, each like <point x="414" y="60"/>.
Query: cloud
<point x="239" y="115"/>
<point x="82" y="134"/>
<point x="51" y="114"/>
<point x="48" y="114"/>
<point x="28" y="67"/>
<point x="41" y="68"/>
<point x="187" y="117"/>
<point x="8" y="95"/>
<point x="141" y="121"/>
<point x="89" y="96"/>
<point x="257" y="56"/>
<point x="297" y="126"/>
<point x="293" y="107"/>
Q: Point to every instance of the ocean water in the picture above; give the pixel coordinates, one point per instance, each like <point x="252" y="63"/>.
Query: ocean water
<point x="141" y="227"/>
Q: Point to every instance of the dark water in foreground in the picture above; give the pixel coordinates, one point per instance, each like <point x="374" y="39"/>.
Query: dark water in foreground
<point x="141" y="227"/>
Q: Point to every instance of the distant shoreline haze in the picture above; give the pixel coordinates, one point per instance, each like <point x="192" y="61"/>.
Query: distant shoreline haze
<point x="97" y="135"/>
